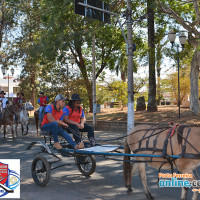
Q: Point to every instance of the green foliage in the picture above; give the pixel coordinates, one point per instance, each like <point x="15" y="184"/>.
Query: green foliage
<point x="170" y="84"/>
<point x="119" y="91"/>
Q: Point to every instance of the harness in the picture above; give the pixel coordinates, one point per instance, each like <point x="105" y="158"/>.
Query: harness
<point x="168" y="140"/>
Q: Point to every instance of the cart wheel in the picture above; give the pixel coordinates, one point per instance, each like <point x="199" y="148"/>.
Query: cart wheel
<point x="86" y="164"/>
<point x="40" y="170"/>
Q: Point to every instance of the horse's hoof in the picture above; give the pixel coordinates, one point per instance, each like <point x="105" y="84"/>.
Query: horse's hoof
<point x="149" y="196"/>
<point x="129" y="191"/>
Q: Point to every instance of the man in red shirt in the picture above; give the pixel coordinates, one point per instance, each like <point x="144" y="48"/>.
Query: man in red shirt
<point x="20" y="99"/>
<point x="53" y="122"/>
<point x="43" y="101"/>
<point x="75" y="118"/>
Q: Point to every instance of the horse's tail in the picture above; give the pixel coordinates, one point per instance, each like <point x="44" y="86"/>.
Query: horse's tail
<point x="127" y="166"/>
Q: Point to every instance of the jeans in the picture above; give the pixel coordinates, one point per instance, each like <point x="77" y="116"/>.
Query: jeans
<point x="87" y="128"/>
<point x="57" y="130"/>
<point x="40" y="111"/>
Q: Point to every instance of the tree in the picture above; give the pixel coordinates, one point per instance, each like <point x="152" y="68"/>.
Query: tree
<point x="28" y="48"/>
<point x="170" y="84"/>
<point x="152" y="106"/>
<point x="8" y="11"/>
<point x="187" y="15"/>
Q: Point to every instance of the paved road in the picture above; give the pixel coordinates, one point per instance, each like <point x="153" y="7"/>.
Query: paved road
<point x="68" y="183"/>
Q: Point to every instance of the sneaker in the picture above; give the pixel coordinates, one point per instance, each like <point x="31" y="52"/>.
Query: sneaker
<point x="80" y="146"/>
<point x="92" y="141"/>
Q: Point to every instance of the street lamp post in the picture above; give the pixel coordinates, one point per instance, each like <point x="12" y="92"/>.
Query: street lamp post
<point x="182" y="40"/>
<point x="3" y="69"/>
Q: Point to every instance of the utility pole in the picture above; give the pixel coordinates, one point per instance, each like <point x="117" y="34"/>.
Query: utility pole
<point x="130" y="117"/>
<point x="8" y="85"/>
<point x="94" y="83"/>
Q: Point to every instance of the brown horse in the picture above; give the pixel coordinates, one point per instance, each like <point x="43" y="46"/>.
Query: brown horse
<point x="146" y="139"/>
<point x="36" y="116"/>
<point x="8" y="118"/>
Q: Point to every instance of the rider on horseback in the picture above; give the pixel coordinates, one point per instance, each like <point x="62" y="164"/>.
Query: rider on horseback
<point x="53" y="122"/>
<point x="3" y="103"/>
<point x="43" y="101"/>
<point x="20" y="99"/>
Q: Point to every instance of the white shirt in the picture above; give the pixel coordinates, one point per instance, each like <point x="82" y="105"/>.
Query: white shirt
<point x="4" y="100"/>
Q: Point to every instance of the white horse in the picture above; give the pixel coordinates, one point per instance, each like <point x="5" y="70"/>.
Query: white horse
<point x="23" y="117"/>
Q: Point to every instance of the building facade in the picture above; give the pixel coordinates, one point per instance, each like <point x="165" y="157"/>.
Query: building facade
<point x="10" y="84"/>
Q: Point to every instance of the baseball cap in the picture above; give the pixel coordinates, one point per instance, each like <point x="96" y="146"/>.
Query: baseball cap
<point x="60" y="97"/>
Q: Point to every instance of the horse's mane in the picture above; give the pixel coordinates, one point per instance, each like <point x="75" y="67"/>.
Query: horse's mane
<point x="181" y="129"/>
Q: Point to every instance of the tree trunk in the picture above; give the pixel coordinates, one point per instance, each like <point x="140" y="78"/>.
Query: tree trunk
<point x="194" y="83"/>
<point x="123" y="76"/>
<point x="158" y="58"/>
<point x="87" y="83"/>
<point x="89" y="92"/>
<point x="151" y="49"/>
<point x="33" y="90"/>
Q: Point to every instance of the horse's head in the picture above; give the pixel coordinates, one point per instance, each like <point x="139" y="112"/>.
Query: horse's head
<point x="12" y="109"/>
<point x="28" y="106"/>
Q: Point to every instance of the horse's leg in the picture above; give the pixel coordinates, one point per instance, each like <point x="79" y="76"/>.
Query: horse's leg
<point x="27" y="127"/>
<point x="4" y="131"/>
<point x="22" y="127"/>
<point x="186" y="166"/>
<point x="16" y="125"/>
<point x="143" y="177"/>
<point x="184" y="192"/>
<point x="127" y="168"/>
<point x="11" y="127"/>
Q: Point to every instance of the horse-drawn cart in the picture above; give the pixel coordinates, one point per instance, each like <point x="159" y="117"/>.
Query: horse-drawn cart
<point x="166" y="147"/>
<point x="84" y="158"/>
